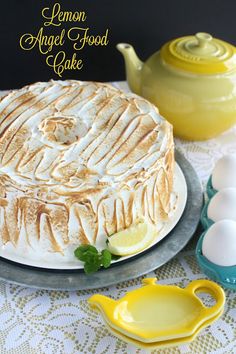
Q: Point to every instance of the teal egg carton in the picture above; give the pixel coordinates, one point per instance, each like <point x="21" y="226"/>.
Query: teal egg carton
<point x="205" y="221"/>
<point x="209" y="188"/>
<point x="225" y="275"/>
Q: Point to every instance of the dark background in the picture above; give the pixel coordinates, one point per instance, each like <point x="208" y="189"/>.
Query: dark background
<point x="146" y="24"/>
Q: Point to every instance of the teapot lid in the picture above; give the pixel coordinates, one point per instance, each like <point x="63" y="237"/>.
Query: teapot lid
<point x="201" y="54"/>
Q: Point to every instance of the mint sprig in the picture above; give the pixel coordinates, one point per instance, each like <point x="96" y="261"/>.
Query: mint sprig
<point x="93" y="259"/>
<point x="106" y="258"/>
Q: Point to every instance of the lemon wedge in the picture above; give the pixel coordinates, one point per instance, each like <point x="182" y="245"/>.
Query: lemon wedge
<point x="132" y="240"/>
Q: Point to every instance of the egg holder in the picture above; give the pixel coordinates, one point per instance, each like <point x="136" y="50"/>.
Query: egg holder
<point x="211" y="191"/>
<point x="158" y="316"/>
<point x="205" y="221"/>
<point x="225" y="275"/>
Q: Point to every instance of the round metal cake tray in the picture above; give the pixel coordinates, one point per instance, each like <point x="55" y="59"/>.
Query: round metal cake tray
<point x="124" y="270"/>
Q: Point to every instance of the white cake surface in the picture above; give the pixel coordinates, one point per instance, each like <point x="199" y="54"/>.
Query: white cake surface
<point x="80" y="161"/>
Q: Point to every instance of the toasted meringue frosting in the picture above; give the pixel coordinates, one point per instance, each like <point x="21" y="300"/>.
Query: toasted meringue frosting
<point x="80" y="161"/>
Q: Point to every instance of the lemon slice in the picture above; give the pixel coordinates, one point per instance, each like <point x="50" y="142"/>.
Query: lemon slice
<point x="132" y="240"/>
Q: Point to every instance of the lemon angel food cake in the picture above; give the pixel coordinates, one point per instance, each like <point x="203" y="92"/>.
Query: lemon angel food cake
<point x="80" y="161"/>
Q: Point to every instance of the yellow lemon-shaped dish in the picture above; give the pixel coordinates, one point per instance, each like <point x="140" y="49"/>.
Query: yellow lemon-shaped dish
<point x="157" y="312"/>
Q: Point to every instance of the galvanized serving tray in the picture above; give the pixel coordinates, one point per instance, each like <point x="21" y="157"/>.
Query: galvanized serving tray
<point x="124" y="270"/>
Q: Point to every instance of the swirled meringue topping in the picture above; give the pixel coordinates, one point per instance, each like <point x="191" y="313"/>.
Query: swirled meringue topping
<point x="86" y="158"/>
<point x="69" y="132"/>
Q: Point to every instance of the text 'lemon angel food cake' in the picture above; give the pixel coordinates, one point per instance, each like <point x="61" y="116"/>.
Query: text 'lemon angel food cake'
<point x="80" y="161"/>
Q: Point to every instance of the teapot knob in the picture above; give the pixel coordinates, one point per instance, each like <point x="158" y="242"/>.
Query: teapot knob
<point x="203" y="39"/>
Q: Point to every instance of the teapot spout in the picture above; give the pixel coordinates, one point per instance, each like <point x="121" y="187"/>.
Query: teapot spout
<point x="102" y="303"/>
<point x="133" y="66"/>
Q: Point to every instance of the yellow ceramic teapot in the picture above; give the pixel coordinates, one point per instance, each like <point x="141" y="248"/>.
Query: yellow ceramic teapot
<point x="192" y="80"/>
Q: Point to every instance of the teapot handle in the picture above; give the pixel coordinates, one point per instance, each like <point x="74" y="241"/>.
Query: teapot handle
<point x="207" y="286"/>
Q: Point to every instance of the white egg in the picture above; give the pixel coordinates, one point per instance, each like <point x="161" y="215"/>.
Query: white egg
<point x="223" y="205"/>
<point x="219" y="243"/>
<point x="224" y="173"/>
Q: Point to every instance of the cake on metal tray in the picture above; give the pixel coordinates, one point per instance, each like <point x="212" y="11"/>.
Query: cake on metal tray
<point x="80" y="161"/>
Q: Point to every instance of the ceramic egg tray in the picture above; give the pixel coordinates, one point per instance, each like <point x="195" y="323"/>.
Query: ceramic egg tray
<point x="157" y="316"/>
<point x="211" y="191"/>
<point x="225" y="275"/>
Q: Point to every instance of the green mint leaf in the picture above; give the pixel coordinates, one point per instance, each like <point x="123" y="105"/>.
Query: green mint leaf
<point x="78" y="253"/>
<point x="90" y="248"/>
<point x="92" y="267"/>
<point x="82" y="248"/>
<point x="92" y="259"/>
<point x="81" y="251"/>
<point x="89" y="257"/>
<point x="106" y="258"/>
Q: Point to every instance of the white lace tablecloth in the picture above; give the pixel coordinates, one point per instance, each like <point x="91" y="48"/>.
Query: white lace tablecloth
<point x="61" y="322"/>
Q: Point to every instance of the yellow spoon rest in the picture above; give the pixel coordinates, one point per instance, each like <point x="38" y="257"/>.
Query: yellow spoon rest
<point x="163" y="344"/>
<point x="157" y="312"/>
